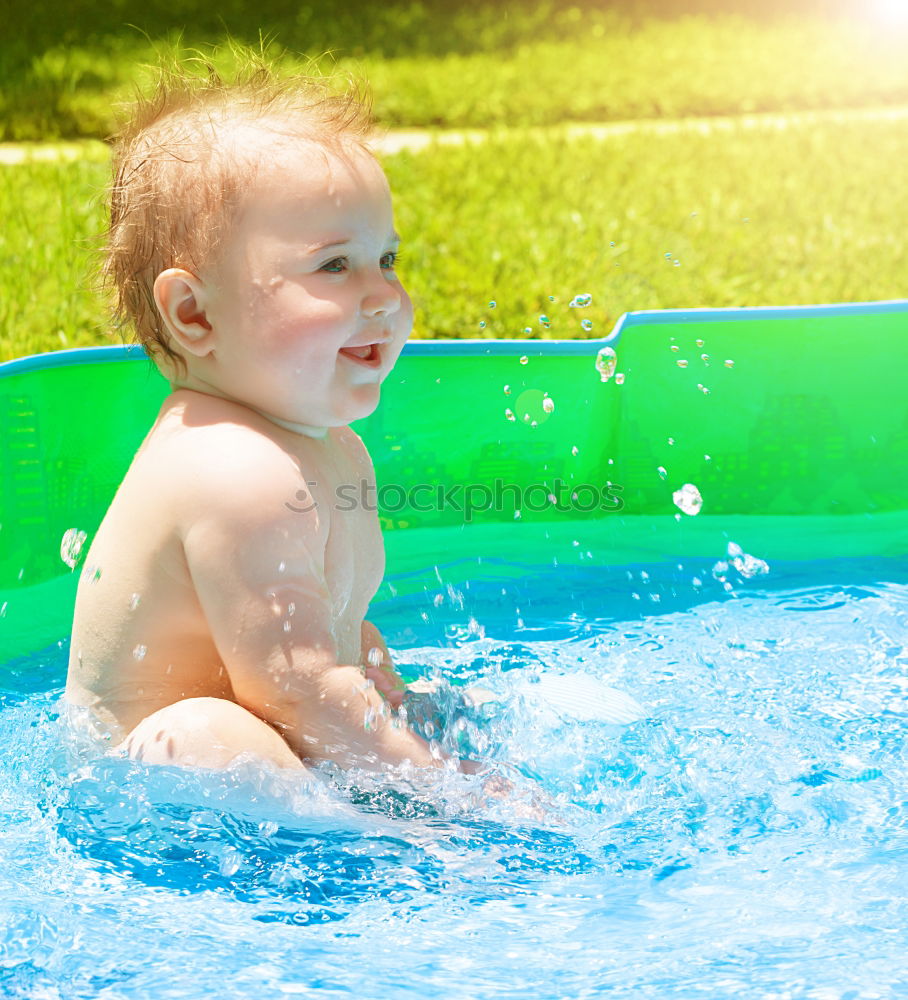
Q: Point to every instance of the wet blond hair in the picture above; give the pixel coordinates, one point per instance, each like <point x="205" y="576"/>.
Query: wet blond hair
<point x="178" y="177"/>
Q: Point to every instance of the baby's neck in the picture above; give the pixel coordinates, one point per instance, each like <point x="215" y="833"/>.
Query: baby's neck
<point x="196" y="385"/>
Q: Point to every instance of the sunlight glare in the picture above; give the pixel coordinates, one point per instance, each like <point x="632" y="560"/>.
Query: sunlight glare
<point x="891" y="13"/>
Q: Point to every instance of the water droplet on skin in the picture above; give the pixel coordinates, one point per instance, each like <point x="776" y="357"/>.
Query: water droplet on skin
<point x="510" y="415"/>
<point x="281" y="567"/>
<point x="134" y="601"/>
<point x="139" y="652"/>
<point x="524" y="360"/>
<point x="587" y="324"/>
<point x="291" y="609"/>
<point x="548" y="405"/>
<point x="688" y="499"/>
<point x="729" y="363"/>
<point x="492" y="304"/>
<point x="507" y="390"/>
<point x="681" y="363"/>
<point x="606" y="360"/>
<point x="619" y="378"/>
<point x="376" y="656"/>
<point x="575" y="451"/>
<point x="662" y="472"/>
<point x="286" y="626"/>
<point x="581" y="301"/>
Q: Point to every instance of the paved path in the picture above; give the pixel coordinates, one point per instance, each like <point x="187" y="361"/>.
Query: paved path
<point x="414" y="140"/>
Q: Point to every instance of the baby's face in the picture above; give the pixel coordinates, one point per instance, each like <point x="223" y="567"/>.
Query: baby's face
<point x="308" y="311"/>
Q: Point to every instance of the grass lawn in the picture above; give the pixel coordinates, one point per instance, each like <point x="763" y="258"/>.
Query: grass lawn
<point x="436" y="63"/>
<point x="736" y="218"/>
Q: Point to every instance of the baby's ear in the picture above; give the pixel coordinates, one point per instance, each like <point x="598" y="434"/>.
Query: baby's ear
<point x="180" y="298"/>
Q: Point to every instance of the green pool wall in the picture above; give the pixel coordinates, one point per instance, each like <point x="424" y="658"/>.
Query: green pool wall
<point x="799" y="448"/>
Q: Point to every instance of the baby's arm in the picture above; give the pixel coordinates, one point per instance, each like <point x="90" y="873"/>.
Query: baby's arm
<point x="259" y="572"/>
<point x="380" y="667"/>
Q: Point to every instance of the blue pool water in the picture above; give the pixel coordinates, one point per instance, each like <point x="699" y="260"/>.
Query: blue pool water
<point x="748" y="837"/>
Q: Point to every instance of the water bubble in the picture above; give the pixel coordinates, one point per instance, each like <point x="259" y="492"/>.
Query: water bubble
<point x="668" y="256"/>
<point x="662" y="472"/>
<point x="3" y="608"/>
<point x="492" y="304"/>
<point x="587" y="324"/>
<point x="688" y="499"/>
<point x="619" y="378"/>
<point x="575" y="451"/>
<point x="581" y="301"/>
<point x="729" y="363"/>
<point x="699" y="342"/>
<point x="507" y="390"/>
<point x="703" y="389"/>
<point x="674" y="347"/>
<point x="545" y="321"/>
<point x="548" y="405"/>
<point x="606" y="360"/>
<point x="696" y="581"/>
<point x="139" y="652"/>
<point x="510" y="415"/>
<point x="524" y="360"/>
<point x="516" y="515"/>
<point x="482" y="324"/>
<point x="71" y="546"/>
<point x="551" y="298"/>
<point x="705" y="359"/>
<point x="134" y="601"/>
<point x="676" y="263"/>
<point x="681" y="363"/>
<point x="707" y="458"/>
<point x="611" y="243"/>
<point x="671" y="440"/>
<point x="527" y="330"/>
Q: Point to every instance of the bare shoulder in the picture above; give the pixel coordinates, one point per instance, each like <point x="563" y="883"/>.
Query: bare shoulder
<point x="219" y="455"/>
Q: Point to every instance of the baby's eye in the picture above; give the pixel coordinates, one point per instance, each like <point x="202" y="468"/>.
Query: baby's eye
<point x="335" y="266"/>
<point x="389" y="260"/>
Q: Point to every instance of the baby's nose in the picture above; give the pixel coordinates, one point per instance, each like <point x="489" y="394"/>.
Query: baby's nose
<point x="382" y="298"/>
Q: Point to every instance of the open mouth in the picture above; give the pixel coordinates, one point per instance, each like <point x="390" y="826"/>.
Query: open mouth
<point x="367" y="355"/>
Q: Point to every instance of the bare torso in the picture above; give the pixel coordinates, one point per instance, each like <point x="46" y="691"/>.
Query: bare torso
<point x="141" y="637"/>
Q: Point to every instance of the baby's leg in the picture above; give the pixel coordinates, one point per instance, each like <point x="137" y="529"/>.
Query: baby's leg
<point x="207" y="733"/>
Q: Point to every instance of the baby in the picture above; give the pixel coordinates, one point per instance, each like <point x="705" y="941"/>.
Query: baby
<point x="252" y="247"/>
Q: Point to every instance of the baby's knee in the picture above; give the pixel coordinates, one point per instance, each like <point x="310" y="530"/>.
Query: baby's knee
<point x="207" y="733"/>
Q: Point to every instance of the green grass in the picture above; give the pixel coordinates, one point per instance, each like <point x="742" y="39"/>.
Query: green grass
<point x="753" y="216"/>
<point x="469" y="64"/>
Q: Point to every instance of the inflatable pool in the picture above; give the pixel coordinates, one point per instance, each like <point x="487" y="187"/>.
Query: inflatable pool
<point x="700" y="521"/>
<point x="785" y="430"/>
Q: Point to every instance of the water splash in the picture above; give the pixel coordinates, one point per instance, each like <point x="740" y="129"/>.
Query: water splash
<point x="71" y="545"/>
<point x="688" y="499"/>
<point x="747" y="565"/>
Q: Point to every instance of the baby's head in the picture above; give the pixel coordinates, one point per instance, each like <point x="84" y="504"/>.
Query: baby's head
<point x="225" y="200"/>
